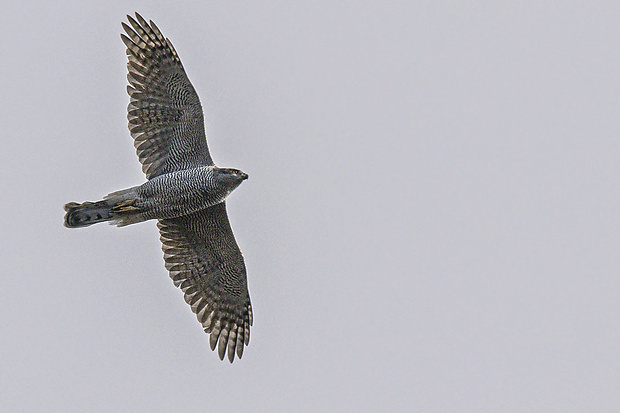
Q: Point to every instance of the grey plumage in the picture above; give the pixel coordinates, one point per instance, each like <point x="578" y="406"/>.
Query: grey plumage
<point x="184" y="191"/>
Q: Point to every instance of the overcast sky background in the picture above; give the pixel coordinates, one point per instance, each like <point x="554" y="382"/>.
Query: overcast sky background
<point x="432" y="219"/>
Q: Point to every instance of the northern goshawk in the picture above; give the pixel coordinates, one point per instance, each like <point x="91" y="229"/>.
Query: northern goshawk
<point x="184" y="190"/>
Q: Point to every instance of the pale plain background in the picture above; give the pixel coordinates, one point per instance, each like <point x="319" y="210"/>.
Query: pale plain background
<point x="431" y="222"/>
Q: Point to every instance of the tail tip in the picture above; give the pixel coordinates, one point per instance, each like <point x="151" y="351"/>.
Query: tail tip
<point x="71" y="219"/>
<point x="70" y="206"/>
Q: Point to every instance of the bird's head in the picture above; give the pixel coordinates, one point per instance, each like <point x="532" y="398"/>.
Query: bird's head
<point x="229" y="177"/>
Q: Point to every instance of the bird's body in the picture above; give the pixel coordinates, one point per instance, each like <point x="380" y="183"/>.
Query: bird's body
<point x="184" y="190"/>
<point x="165" y="196"/>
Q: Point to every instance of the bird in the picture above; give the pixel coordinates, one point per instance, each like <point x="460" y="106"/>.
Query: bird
<point x="184" y="190"/>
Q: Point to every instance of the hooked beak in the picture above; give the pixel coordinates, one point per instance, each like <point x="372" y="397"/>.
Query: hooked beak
<point x="244" y="176"/>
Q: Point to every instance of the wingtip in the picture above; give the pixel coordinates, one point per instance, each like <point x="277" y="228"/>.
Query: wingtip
<point x="141" y="20"/>
<point x="126" y="40"/>
<point x="213" y="341"/>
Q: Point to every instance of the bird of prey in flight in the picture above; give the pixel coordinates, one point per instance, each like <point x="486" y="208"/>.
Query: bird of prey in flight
<point x="185" y="191"/>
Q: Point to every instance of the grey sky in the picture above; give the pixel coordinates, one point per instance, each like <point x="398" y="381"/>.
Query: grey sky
<point x="431" y="221"/>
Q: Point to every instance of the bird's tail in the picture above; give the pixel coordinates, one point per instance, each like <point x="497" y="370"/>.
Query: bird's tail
<point x="118" y="207"/>
<point x="87" y="213"/>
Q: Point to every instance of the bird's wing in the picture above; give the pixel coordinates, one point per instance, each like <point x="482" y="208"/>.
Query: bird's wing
<point x="205" y="262"/>
<point x="164" y="113"/>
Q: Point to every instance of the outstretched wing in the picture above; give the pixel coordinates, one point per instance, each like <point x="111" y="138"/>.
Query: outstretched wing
<point x="205" y="262"/>
<point x="164" y="113"/>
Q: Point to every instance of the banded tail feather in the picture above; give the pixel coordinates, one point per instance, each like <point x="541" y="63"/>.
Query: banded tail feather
<point x="87" y="213"/>
<point x="118" y="208"/>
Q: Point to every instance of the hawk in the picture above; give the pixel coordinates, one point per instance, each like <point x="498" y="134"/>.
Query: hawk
<point x="185" y="191"/>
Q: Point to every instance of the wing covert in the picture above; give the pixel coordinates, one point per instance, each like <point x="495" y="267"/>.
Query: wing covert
<point x="164" y="113"/>
<point x="204" y="260"/>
